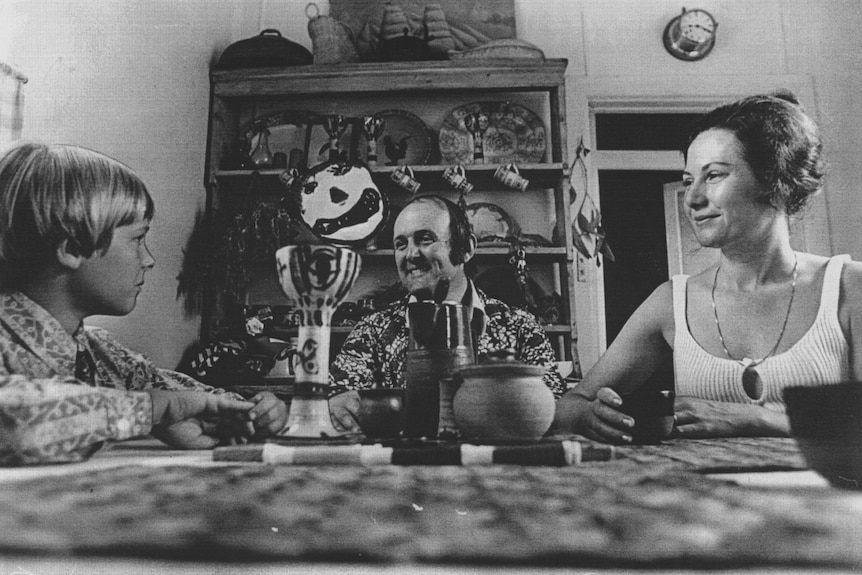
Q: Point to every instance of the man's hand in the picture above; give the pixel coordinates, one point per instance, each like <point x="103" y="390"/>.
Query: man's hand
<point x="269" y="415"/>
<point x="198" y="420"/>
<point x="343" y="410"/>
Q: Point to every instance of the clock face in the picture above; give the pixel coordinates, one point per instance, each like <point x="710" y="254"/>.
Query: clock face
<point x="691" y="35"/>
<point x="697" y="26"/>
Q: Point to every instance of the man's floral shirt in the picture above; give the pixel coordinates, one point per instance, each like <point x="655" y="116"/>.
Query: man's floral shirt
<point x="46" y="414"/>
<point x="377" y="346"/>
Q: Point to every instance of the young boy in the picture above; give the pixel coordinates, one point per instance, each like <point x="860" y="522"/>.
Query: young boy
<point x="73" y="227"/>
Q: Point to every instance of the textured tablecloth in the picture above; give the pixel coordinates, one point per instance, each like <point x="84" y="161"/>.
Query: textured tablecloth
<point x="651" y="507"/>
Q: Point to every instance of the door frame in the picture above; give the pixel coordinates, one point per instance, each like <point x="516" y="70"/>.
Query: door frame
<point x="666" y="94"/>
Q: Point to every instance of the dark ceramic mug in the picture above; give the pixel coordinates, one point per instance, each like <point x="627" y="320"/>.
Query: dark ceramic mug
<point x="381" y="412"/>
<point x="652" y="411"/>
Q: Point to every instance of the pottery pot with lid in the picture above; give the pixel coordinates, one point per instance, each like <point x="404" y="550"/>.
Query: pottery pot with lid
<point x="267" y="49"/>
<point x="503" y="399"/>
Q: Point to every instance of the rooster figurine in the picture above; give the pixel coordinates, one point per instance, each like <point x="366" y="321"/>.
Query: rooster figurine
<point x="395" y="151"/>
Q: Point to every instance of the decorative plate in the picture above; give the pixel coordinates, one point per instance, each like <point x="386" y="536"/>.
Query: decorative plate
<point x="490" y="220"/>
<point x="514" y="134"/>
<point x="405" y="139"/>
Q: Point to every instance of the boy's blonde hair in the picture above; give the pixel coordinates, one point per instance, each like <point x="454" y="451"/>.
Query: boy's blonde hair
<point x="51" y="193"/>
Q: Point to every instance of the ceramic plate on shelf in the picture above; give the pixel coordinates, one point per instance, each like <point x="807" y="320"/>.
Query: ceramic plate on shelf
<point x="405" y="139"/>
<point x="514" y="134"/>
<point x="490" y="220"/>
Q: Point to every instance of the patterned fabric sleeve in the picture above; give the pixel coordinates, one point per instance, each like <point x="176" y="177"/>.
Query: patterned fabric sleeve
<point x="138" y="372"/>
<point x="354" y="366"/>
<point x="535" y="349"/>
<point x="510" y="327"/>
<point x="55" y="421"/>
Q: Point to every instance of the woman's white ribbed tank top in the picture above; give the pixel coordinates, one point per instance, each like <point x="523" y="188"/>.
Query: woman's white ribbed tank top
<point x="821" y="356"/>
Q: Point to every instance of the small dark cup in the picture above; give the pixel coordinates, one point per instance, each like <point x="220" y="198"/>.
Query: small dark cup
<point x="825" y="422"/>
<point x="381" y="412"/>
<point x="652" y="411"/>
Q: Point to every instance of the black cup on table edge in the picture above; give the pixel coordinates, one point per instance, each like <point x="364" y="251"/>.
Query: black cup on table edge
<point x="381" y="412"/>
<point x="652" y="410"/>
<point x="824" y="421"/>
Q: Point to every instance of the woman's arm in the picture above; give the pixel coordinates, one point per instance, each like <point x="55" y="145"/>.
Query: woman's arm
<point x="850" y="314"/>
<point x="698" y="418"/>
<point x="640" y="348"/>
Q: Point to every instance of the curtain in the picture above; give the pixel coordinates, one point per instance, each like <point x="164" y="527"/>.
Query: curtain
<point x="11" y="103"/>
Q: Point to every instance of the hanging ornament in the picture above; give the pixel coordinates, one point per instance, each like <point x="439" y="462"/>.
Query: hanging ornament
<point x="519" y="261"/>
<point x="588" y="235"/>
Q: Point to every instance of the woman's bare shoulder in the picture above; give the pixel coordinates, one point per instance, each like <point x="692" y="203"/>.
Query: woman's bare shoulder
<point x="850" y="299"/>
<point x="657" y="309"/>
<point x="851" y="283"/>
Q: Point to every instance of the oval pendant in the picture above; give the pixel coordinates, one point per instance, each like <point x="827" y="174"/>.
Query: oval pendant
<point x="751" y="383"/>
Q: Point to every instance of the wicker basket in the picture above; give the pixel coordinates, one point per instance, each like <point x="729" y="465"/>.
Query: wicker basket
<point x="331" y="40"/>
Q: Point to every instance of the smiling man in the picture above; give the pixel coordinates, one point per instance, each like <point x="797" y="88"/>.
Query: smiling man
<point x="432" y="241"/>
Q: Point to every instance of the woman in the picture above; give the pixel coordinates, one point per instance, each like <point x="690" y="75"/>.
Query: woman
<point x="764" y="317"/>
<point x="73" y="229"/>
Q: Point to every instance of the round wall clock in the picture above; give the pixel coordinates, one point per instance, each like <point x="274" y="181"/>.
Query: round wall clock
<point x="691" y="35"/>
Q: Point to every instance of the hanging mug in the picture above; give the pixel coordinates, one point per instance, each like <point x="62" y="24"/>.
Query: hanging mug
<point x="288" y="177"/>
<point x="456" y="177"/>
<point x="510" y="176"/>
<point x="404" y="177"/>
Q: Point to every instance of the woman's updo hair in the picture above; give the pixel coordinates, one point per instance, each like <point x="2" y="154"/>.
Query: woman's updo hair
<point x="780" y="142"/>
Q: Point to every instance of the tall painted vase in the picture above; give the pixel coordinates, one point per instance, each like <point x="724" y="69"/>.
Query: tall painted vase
<point x="315" y="278"/>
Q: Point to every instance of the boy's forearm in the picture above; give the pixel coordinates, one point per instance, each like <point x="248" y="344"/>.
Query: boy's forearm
<point x="48" y="421"/>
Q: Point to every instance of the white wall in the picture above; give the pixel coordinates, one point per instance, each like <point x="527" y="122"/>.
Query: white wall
<point x="130" y="79"/>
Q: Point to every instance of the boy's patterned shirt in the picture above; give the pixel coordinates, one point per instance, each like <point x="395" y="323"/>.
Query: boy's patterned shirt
<point x="46" y="415"/>
<point x="378" y="344"/>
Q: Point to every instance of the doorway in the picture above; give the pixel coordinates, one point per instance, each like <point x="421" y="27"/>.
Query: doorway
<point x="632" y="198"/>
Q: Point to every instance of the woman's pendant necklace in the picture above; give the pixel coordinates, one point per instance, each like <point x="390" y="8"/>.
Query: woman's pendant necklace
<point x="750" y="378"/>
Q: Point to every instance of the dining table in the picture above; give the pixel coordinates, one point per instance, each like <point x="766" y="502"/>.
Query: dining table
<point x="717" y="506"/>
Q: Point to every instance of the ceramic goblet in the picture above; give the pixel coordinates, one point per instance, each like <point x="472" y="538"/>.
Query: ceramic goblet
<point x="316" y="279"/>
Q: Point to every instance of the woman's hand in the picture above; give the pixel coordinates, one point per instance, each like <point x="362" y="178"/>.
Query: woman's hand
<point x="702" y="418"/>
<point x="269" y="414"/>
<point x="596" y="419"/>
